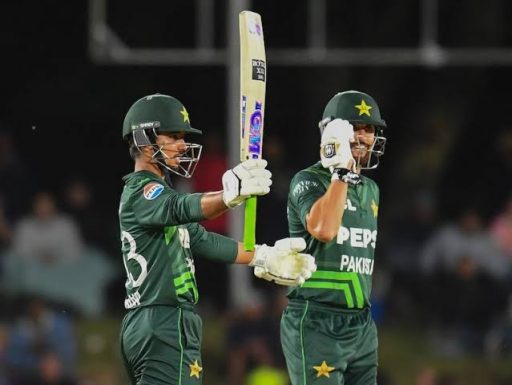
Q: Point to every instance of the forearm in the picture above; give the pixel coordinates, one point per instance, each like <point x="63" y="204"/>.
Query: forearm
<point x="213" y="246"/>
<point x="212" y="205"/>
<point x="243" y="257"/>
<point x="324" y="218"/>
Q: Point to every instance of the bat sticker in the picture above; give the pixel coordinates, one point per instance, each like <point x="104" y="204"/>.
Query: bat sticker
<point x="258" y="70"/>
<point x="255" y="129"/>
<point x="255" y="28"/>
<point x="244" y="112"/>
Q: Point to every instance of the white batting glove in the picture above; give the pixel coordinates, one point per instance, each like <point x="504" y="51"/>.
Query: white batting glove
<point x="335" y="149"/>
<point x="282" y="263"/>
<point x="248" y="178"/>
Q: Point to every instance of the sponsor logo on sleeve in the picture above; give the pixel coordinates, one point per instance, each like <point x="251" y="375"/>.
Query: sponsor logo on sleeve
<point x="152" y="190"/>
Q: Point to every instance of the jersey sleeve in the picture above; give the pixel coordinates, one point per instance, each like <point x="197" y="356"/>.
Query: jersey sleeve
<point x="159" y="205"/>
<point x="211" y="245"/>
<point x="305" y="189"/>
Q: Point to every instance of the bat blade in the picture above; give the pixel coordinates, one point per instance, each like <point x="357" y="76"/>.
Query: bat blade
<point x="253" y="78"/>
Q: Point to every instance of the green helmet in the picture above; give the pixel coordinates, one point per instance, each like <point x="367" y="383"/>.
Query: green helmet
<point x="157" y="114"/>
<point x="162" y="113"/>
<point x="358" y="108"/>
<point x="354" y="106"/>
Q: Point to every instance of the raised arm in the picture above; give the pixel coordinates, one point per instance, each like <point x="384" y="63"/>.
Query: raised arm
<point x="324" y="218"/>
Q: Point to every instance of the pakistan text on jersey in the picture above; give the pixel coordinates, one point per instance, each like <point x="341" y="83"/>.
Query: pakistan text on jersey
<point x="357" y="265"/>
<point x="358" y="237"/>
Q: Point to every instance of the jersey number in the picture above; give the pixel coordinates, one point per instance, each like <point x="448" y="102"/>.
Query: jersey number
<point x="132" y="254"/>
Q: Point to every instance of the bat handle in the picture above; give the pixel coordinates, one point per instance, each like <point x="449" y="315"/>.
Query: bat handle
<point x="250" y="224"/>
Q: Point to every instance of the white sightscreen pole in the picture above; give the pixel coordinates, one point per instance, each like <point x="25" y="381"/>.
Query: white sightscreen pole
<point x="239" y="275"/>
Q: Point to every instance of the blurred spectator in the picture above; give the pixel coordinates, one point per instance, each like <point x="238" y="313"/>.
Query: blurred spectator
<point x="49" y="258"/>
<point x="501" y="230"/>
<point x="39" y="334"/>
<point x="51" y="372"/>
<point x="426" y="376"/>
<point x="97" y="230"/>
<point x="464" y="275"/>
<point x="464" y="239"/>
<point x="47" y="235"/>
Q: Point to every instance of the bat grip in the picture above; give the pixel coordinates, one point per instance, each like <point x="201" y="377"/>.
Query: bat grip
<point x="250" y="224"/>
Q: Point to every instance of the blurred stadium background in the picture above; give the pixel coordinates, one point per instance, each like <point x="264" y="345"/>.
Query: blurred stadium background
<point x="442" y="74"/>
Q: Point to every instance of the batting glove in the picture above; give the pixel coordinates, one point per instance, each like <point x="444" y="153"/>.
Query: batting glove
<point x="282" y="263"/>
<point x="335" y="149"/>
<point x="248" y="178"/>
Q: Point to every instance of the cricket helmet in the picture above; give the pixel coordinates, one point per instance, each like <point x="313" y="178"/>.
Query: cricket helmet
<point x="358" y="108"/>
<point x="162" y="112"/>
<point x="157" y="114"/>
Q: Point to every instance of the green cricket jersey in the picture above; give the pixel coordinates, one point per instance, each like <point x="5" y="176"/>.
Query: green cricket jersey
<point x="160" y="237"/>
<point x="345" y="265"/>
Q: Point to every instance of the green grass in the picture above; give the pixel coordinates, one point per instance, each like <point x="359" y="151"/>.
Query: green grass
<point x="98" y="350"/>
<point x="403" y="353"/>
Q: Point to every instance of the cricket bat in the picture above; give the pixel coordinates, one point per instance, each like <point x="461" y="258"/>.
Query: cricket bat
<point x="253" y="79"/>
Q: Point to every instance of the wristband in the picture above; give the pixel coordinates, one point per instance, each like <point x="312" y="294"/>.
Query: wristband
<point x="345" y="175"/>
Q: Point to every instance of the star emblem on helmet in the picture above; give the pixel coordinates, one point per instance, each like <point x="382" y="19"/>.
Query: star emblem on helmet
<point x="185" y="115"/>
<point x="364" y="109"/>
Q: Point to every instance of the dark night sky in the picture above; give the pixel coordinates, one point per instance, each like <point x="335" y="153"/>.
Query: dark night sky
<point x="77" y="107"/>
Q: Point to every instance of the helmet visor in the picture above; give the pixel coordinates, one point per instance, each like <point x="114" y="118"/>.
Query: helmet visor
<point x="372" y="157"/>
<point x="186" y="160"/>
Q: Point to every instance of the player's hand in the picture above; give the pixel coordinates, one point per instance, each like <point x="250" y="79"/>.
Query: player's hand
<point x="248" y="178"/>
<point x="283" y="263"/>
<point x="335" y="149"/>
